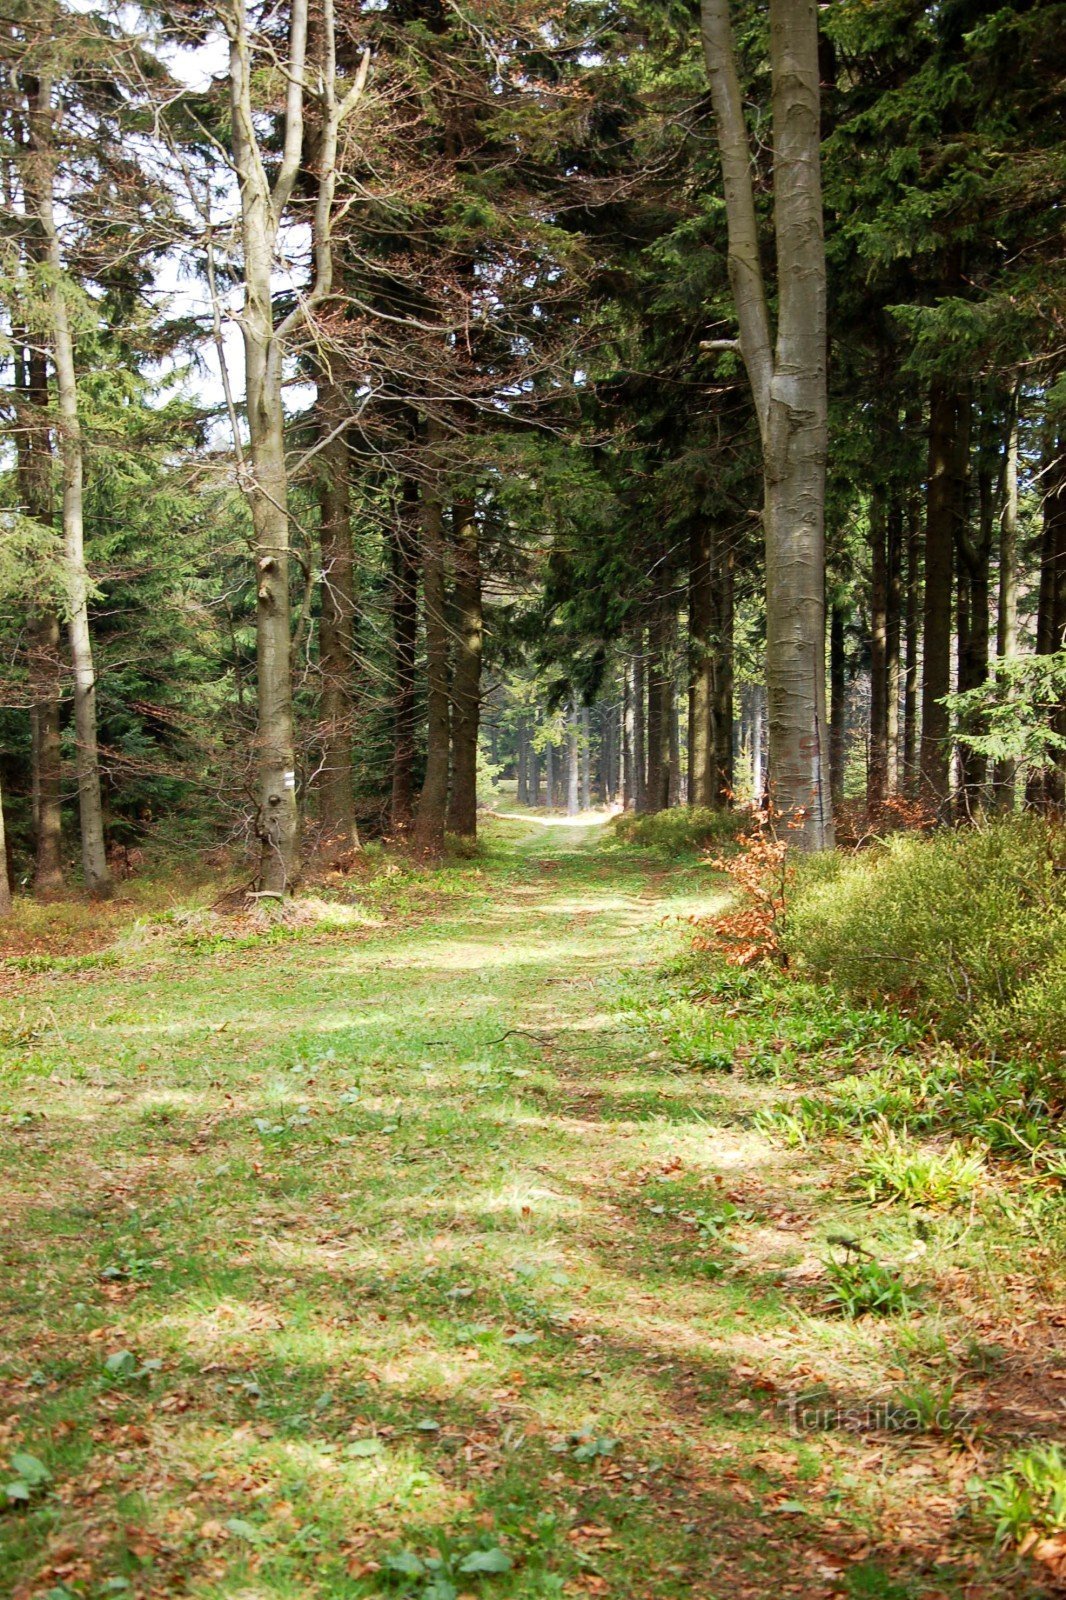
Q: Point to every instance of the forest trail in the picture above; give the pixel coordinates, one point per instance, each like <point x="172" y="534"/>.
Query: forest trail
<point x="394" y="1256"/>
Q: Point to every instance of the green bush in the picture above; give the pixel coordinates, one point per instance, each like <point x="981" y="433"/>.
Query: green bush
<point x="967" y="928"/>
<point x="681" y="828"/>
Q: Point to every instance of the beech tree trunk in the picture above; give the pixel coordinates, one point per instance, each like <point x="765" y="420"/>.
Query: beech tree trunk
<point x="466" y="676"/>
<point x="405" y="551"/>
<point x="586" y="761"/>
<point x="41" y="176"/>
<point x="263" y="208"/>
<point x="788" y="387"/>
<point x="432" y="810"/>
<point x="336" y="629"/>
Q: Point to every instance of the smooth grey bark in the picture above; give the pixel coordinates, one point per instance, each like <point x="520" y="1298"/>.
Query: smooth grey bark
<point x="263" y="207"/>
<point x="549" y="776"/>
<point x="41" y="173"/>
<point x="788" y="384"/>
<point x="586" y="760"/>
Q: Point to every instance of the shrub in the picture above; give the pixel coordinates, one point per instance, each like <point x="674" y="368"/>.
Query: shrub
<point x="966" y="927"/>
<point x="679" y="829"/>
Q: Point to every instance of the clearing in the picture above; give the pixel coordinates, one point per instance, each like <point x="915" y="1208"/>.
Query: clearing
<point x="391" y="1253"/>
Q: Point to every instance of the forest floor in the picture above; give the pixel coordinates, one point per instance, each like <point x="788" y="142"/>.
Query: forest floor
<point x="389" y="1252"/>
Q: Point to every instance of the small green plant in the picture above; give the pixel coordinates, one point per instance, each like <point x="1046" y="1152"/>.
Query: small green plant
<point x="1028" y="1495"/>
<point x="859" y="1286"/>
<point x="30" y="1478"/>
<point x="892" y="1168"/>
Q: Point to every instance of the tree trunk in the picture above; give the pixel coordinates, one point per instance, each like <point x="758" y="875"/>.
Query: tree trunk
<point x="5" y="880"/>
<point x="466" y="677"/>
<point x="405" y="555"/>
<point x="45" y="668"/>
<point x="658" y="757"/>
<point x="549" y="776"/>
<point x="893" y="608"/>
<point x="877" y="774"/>
<point x="839" y="695"/>
<point x="572" y="765"/>
<point x="586" y="761"/>
<point x="912" y="626"/>
<point x="722" y="663"/>
<point x="1051" y="606"/>
<point x="975" y="602"/>
<point x="336" y="629"/>
<point x="701" y="732"/>
<point x="640" y="731"/>
<point x="90" y="803"/>
<point x="789" y="389"/>
<point x="945" y="510"/>
<point x="1005" y="772"/>
<point x="431" y="816"/>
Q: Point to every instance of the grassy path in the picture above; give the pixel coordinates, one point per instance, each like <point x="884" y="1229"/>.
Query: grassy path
<point x="392" y="1256"/>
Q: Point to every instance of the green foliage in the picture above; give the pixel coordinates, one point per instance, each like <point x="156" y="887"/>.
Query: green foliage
<point x="891" y="1167"/>
<point x="683" y="828"/>
<point x="1014" y="711"/>
<point x="966" y="928"/>
<point x="859" y="1286"/>
<point x="1028" y="1495"/>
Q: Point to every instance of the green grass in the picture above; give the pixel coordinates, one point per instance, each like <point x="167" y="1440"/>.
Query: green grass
<point x="397" y="1248"/>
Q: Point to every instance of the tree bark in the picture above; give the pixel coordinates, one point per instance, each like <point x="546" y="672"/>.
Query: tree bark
<point x="586" y="761"/>
<point x="572" y="773"/>
<point x="549" y="776"/>
<point x="723" y="673"/>
<point x="336" y="628"/>
<point x="788" y="387"/>
<point x="877" y="772"/>
<point x="838" y="684"/>
<point x="5" y="879"/>
<point x="945" y="509"/>
<point x="405" y="557"/>
<point x="657" y="733"/>
<point x="912" y="625"/>
<point x="893" y="610"/>
<point x="40" y="190"/>
<point x="701" y="730"/>
<point x="466" y="677"/>
<point x="431" y="816"/>
<point x="45" y="668"/>
<point x="640" y="731"/>
<point x="1051" y="604"/>
<point x="1005" y="772"/>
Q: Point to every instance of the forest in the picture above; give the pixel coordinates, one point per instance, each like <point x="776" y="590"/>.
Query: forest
<point x="532" y="799"/>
